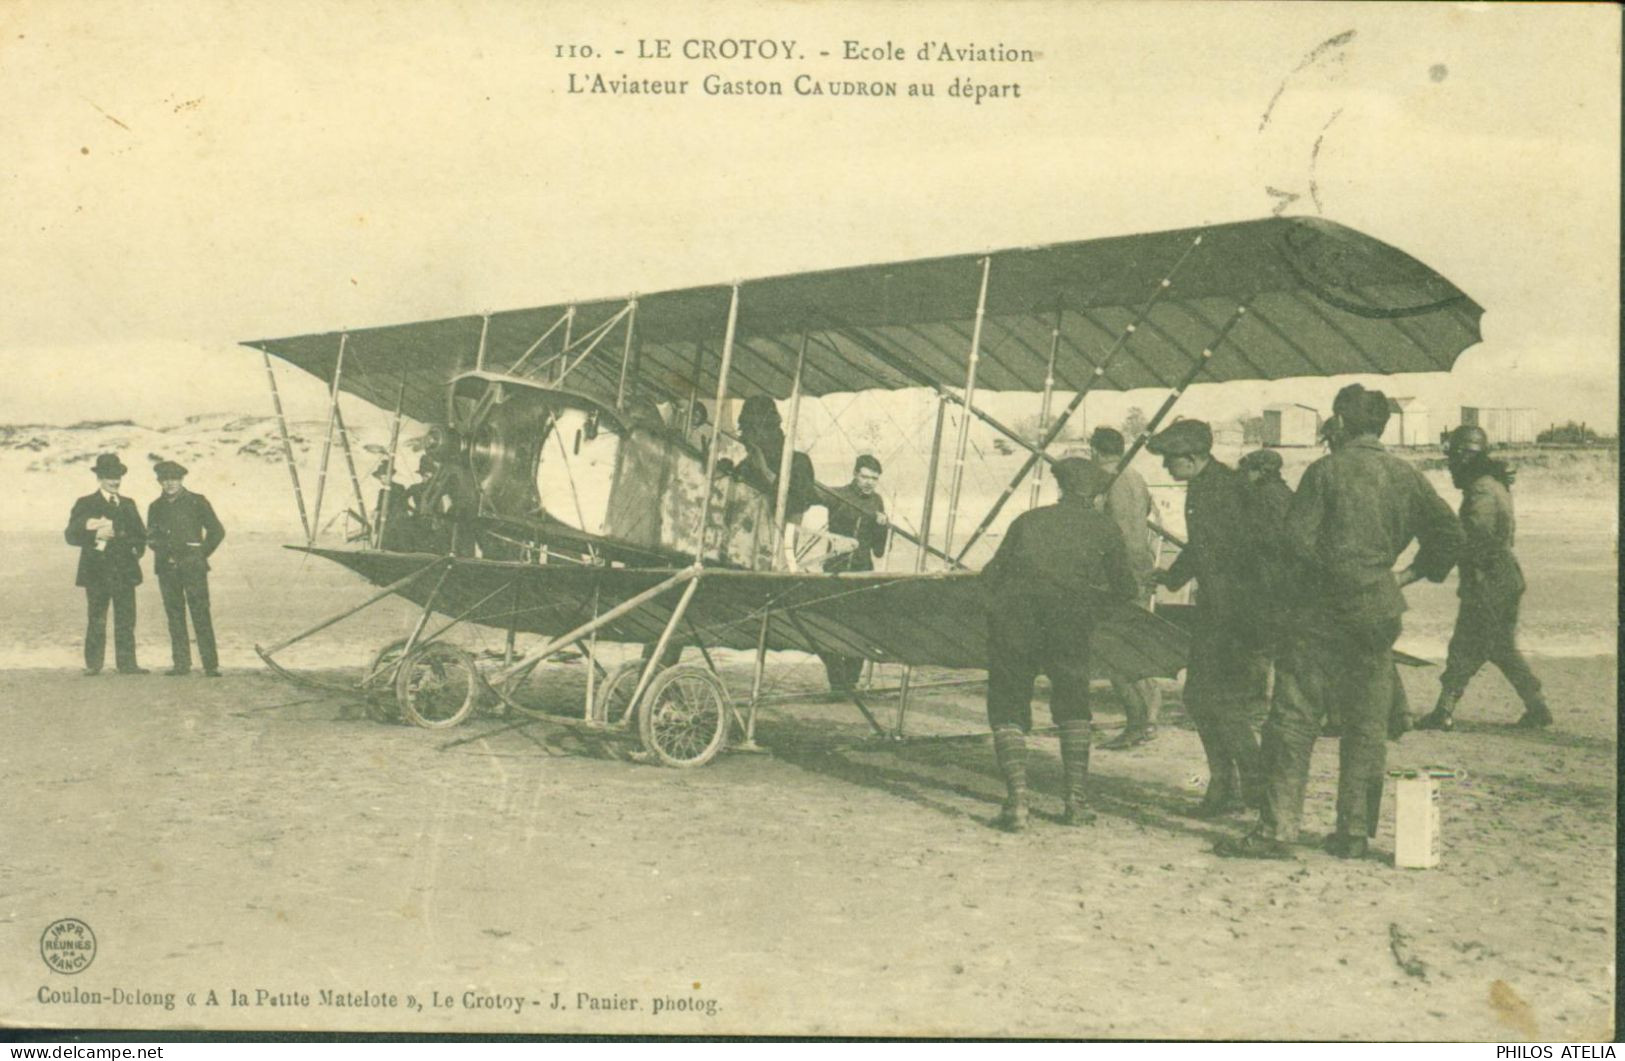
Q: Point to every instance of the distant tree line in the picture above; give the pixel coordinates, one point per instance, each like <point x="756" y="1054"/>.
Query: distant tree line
<point x="1569" y="434"/>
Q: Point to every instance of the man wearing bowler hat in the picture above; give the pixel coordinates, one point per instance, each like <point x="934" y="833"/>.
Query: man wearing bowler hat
<point x="183" y="532"/>
<point x="1222" y="676"/>
<point x="106" y="529"/>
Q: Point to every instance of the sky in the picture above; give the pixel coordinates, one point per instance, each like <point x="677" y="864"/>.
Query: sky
<point x="180" y="177"/>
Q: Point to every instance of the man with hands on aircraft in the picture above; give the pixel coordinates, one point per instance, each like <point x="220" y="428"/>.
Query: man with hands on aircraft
<point x="1043" y="587"/>
<point x="1223" y="673"/>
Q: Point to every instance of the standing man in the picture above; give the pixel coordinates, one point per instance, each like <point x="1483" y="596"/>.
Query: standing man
<point x="1356" y="510"/>
<point x="1222" y="675"/>
<point x="1043" y="587"/>
<point x="1268" y="500"/>
<point x="856" y="511"/>
<point x="184" y="533"/>
<point x="1128" y="504"/>
<point x="106" y="529"/>
<point x="1491" y="585"/>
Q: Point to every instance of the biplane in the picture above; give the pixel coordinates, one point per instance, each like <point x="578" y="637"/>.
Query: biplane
<point x="581" y="515"/>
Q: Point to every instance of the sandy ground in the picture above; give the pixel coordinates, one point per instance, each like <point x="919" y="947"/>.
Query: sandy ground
<point x="245" y="834"/>
<point x="248" y="835"/>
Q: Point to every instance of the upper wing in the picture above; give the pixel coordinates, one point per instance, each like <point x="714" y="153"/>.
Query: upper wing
<point x="932" y="619"/>
<point x="1322" y="300"/>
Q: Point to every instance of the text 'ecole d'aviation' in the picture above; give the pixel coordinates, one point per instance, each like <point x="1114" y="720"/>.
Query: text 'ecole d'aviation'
<point x="803" y="84"/>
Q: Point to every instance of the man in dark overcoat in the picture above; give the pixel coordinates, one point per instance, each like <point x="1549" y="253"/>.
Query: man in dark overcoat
<point x="1222" y="677"/>
<point x="106" y="528"/>
<point x="184" y="532"/>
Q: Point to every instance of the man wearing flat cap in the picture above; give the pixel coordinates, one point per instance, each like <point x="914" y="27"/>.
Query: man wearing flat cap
<point x="106" y="529"/>
<point x="1222" y="676"/>
<point x="1356" y="511"/>
<point x="1044" y="586"/>
<point x="184" y="533"/>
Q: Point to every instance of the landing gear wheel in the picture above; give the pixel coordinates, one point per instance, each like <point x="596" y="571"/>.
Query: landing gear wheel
<point x="615" y="693"/>
<point x="438" y="686"/>
<point x="379" y="694"/>
<point x="683" y="717"/>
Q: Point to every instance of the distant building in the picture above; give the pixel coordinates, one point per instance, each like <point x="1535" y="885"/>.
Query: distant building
<point x="1407" y="424"/>
<point x="1291" y="425"/>
<point x="1503" y="426"/>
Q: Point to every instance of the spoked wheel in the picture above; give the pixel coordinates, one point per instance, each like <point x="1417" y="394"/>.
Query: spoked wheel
<point x="683" y="717"/>
<point x="379" y="694"/>
<point x="615" y="693"/>
<point x="550" y="688"/>
<point x="438" y="686"/>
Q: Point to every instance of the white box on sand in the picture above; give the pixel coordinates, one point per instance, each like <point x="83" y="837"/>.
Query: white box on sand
<point x="1416" y="822"/>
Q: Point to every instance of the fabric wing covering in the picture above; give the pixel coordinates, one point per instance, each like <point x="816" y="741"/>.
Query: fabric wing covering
<point x="929" y="620"/>
<point x="1321" y="300"/>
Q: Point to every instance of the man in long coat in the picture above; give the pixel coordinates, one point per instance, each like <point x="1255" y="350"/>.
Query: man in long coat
<point x="184" y="532"/>
<point x="106" y="528"/>
<point x="1222" y="676"/>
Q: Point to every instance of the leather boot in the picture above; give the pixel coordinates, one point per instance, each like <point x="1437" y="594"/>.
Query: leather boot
<point x="1223" y="795"/>
<point x="1010" y="748"/>
<point x="1536" y="715"/>
<point x="1075" y="767"/>
<point x="1440" y="717"/>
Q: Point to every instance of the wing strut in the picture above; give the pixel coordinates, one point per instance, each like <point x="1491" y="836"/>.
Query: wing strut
<point x="594" y="624"/>
<point x="327" y="445"/>
<point x="287" y="445"/>
<point x="677" y="614"/>
<point x="919" y="556"/>
<point x="971" y="361"/>
<point x="1055" y="429"/>
<point x="592" y="339"/>
<point x="355" y="480"/>
<point x="383" y="511"/>
<point x="1043" y="409"/>
<point x="781" y="504"/>
<point x="1190" y="377"/>
<point x="626" y="353"/>
<point x="513" y="369"/>
<point x="715" y="449"/>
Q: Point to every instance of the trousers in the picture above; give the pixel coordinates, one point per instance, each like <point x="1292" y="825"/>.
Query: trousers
<point x="1224" y="682"/>
<point x="1487" y="632"/>
<point x="1142" y="700"/>
<point x="186" y="588"/>
<point x="1024" y="642"/>
<point x="1330" y="664"/>
<point x="122" y="599"/>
